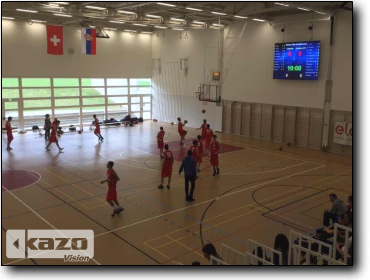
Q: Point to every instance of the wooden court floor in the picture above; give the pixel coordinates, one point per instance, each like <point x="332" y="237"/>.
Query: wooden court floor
<point x="260" y="192"/>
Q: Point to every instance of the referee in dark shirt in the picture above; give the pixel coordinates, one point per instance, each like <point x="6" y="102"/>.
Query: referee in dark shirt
<point x="190" y="166"/>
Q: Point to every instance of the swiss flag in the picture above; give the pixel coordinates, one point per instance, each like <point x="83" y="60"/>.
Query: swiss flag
<point x="54" y="35"/>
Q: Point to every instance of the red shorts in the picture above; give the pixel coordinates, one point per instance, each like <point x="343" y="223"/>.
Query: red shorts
<point x="166" y="172"/>
<point x="97" y="130"/>
<point x="10" y="136"/>
<point x="160" y="144"/>
<point x="183" y="133"/>
<point x="199" y="159"/>
<point x="214" y="160"/>
<point x="53" y="138"/>
<point x="112" y="193"/>
<point x="207" y="145"/>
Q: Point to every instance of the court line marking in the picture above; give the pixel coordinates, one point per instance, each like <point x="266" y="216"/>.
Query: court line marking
<point x="48" y="223"/>
<point x="254" y="210"/>
<point x="28" y="171"/>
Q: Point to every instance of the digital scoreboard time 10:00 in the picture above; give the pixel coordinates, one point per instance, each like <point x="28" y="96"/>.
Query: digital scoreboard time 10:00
<point x="297" y="60"/>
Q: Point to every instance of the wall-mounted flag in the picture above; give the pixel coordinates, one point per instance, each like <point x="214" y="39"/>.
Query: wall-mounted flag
<point x="54" y="35"/>
<point x="88" y="40"/>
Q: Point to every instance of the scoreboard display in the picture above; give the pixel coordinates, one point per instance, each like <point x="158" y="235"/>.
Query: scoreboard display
<point x="297" y="60"/>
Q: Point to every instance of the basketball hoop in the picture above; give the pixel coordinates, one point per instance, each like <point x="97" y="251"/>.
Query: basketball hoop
<point x="198" y="94"/>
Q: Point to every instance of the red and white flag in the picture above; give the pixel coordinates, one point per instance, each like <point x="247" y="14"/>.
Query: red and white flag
<point x="54" y="35"/>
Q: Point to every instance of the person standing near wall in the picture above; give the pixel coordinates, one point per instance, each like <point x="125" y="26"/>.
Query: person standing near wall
<point x="9" y="133"/>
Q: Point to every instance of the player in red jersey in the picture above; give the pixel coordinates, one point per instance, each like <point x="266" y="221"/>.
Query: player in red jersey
<point x="200" y="152"/>
<point x="53" y="135"/>
<point x="181" y="130"/>
<point x="9" y="133"/>
<point x="166" y="167"/>
<point x="208" y="136"/>
<point x="215" y="149"/>
<point x="160" y="141"/>
<point x="97" y="128"/>
<point x="203" y="127"/>
<point x="112" y="179"/>
<point x="194" y="150"/>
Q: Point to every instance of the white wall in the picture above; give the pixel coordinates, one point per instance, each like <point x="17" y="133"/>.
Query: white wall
<point x="24" y="54"/>
<point x="173" y="90"/>
<point x="251" y="75"/>
<point x="342" y="62"/>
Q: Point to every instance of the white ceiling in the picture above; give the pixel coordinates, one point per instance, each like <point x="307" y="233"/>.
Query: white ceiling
<point x="82" y="15"/>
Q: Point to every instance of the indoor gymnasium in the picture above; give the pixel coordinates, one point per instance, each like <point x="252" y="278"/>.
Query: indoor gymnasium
<point x="176" y="133"/>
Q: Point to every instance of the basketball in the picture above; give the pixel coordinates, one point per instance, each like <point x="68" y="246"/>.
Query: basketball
<point x="185" y="121"/>
<point x="80" y="131"/>
<point x="60" y="132"/>
<point x="171" y="123"/>
<point x="203" y="111"/>
<point x="281" y="148"/>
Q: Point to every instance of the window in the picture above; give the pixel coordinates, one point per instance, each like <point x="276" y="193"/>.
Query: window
<point x="93" y="101"/>
<point x="117" y="91"/>
<point x="135" y="99"/>
<point x="11" y="105"/>
<point x="147" y="115"/>
<point x="116" y="82"/>
<point x="114" y="100"/>
<point x="36" y="82"/>
<point x="140" y="90"/>
<point x="36" y="92"/>
<point x="63" y="82"/>
<point x="9" y="82"/>
<point x="92" y="82"/>
<point x="9" y="93"/>
<point x="93" y="110"/>
<point x="61" y="92"/>
<point x="140" y="82"/>
<point x="105" y="97"/>
<point x="40" y="103"/>
<point x="135" y="107"/>
<point x="93" y="91"/>
<point x="67" y="102"/>
<point x="146" y="107"/>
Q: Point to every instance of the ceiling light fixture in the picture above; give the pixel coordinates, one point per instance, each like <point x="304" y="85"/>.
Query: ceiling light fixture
<point x="177" y="19"/>
<point x="194" y="9"/>
<point x="139" y="24"/>
<point x="115" y="21"/>
<point x="178" y="29"/>
<point x="96" y="8"/>
<point x="153" y="16"/>
<point x="111" y="29"/>
<point x="165" y="4"/>
<point x="240" y="17"/>
<point x="161" y="27"/>
<point x="217" y="25"/>
<point x="257" y="19"/>
<point x="146" y="32"/>
<point x="27" y="11"/>
<point x="7" y="17"/>
<point x="61" y="3"/>
<point x="285" y="5"/>
<point x="217" y="13"/>
<point x="40" y="21"/>
<point x="128" y="30"/>
<point x="62" y="15"/>
<point x="126" y="12"/>
<point x="321" y="13"/>
<point x="199" y="22"/>
<point x="91" y="26"/>
<point x="303" y="9"/>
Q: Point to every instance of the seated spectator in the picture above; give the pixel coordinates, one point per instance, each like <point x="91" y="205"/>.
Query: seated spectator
<point x="195" y="263"/>
<point x="344" y="220"/>
<point x="349" y="205"/>
<point x="341" y="249"/>
<point x="210" y="250"/>
<point x="338" y="207"/>
<point x="260" y="255"/>
<point x="282" y="245"/>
